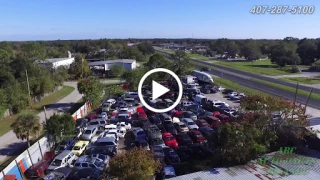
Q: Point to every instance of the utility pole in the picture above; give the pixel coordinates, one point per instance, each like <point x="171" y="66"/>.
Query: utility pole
<point x="305" y="108"/>
<point x="295" y="99"/>
<point x="28" y="87"/>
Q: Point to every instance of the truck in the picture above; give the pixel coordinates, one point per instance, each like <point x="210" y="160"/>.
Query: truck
<point x="202" y="76"/>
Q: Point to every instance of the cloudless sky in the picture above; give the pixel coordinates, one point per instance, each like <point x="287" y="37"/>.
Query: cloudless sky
<point x="95" y="19"/>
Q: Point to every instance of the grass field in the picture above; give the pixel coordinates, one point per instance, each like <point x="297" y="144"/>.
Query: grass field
<point x="303" y="80"/>
<point x="190" y="55"/>
<point x="287" y="88"/>
<point x="37" y="107"/>
<point x="237" y="87"/>
<point x="262" y="67"/>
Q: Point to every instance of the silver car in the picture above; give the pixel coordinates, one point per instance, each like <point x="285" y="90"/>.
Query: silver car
<point x="90" y="132"/>
<point x="189" y="123"/>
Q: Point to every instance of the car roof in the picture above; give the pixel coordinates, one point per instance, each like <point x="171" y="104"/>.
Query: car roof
<point x="63" y="154"/>
<point x="169" y="170"/>
<point x="187" y="119"/>
<point x="91" y="127"/>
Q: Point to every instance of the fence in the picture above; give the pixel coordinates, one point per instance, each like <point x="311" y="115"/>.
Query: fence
<point x="36" y="152"/>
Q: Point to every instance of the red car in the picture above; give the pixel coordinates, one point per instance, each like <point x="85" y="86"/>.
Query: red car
<point x="142" y="115"/>
<point x="169" y="140"/>
<point x="202" y="123"/>
<point x="39" y="168"/>
<point x="197" y="137"/>
<point x="216" y="113"/>
<point x="91" y="116"/>
<point x="213" y="121"/>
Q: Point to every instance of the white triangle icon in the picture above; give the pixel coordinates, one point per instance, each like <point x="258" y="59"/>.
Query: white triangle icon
<point x="158" y="90"/>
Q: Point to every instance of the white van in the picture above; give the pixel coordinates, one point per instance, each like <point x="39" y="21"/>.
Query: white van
<point x="199" y="99"/>
<point x="64" y="159"/>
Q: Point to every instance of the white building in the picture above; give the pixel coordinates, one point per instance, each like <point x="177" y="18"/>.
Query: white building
<point x="56" y="62"/>
<point x="128" y="64"/>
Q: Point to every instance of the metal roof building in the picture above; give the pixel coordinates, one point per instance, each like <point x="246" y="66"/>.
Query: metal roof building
<point x="128" y="64"/>
<point x="283" y="169"/>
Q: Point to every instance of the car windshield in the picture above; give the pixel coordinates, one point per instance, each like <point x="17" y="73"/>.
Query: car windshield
<point x="102" y="122"/>
<point x="87" y="132"/>
<point x="169" y="138"/>
<point x="97" y="163"/>
<point x="56" y="162"/>
<point x="183" y="126"/>
<point x="76" y="148"/>
<point x="204" y="122"/>
<point x="190" y="123"/>
<point x="101" y="157"/>
<point x="94" y="123"/>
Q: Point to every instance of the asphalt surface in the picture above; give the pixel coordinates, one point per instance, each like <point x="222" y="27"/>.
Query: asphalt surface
<point x="10" y="144"/>
<point x="243" y="78"/>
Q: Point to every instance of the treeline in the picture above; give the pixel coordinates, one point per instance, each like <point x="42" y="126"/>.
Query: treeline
<point x="16" y="63"/>
<point x="103" y="48"/>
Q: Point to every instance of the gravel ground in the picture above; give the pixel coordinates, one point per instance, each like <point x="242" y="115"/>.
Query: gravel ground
<point x="219" y="96"/>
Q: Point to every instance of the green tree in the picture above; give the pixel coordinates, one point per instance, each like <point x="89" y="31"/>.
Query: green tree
<point x="92" y="89"/>
<point x="33" y="51"/>
<point x="250" y="49"/>
<point x="232" y="48"/>
<point x="112" y="90"/>
<point x="307" y="51"/>
<point x="157" y="61"/>
<point x="284" y="53"/>
<point x="181" y="64"/>
<point x="117" y="70"/>
<point x="146" y="48"/>
<point x="79" y="68"/>
<point x="4" y="57"/>
<point x="59" y="126"/>
<point x="135" y="164"/>
<point x="132" y="52"/>
<point x="26" y="125"/>
<point x="133" y="77"/>
<point x="220" y="45"/>
<point x="17" y="98"/>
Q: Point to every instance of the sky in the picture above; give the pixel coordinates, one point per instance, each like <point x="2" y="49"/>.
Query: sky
<point x="94" y="19"/>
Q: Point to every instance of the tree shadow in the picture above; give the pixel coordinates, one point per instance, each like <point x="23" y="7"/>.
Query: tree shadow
<point x="262" y="66"/>
<point x="13" y="149"/>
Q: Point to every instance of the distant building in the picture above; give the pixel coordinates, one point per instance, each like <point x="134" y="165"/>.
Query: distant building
<point x="316" y="65"/>
<point x="57" y="62"/>
<point x="128" y="64"/>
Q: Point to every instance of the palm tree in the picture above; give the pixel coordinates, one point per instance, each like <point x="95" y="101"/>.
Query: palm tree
<point x="26" y="125"/>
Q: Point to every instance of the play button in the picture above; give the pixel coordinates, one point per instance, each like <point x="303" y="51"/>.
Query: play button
<point x="158" y="90"/>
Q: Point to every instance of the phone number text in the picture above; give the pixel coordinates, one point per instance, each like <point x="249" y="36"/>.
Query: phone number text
<point x="282" y="9"/>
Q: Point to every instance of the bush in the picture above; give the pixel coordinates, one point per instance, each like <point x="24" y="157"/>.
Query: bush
<point x="294" y="69"/>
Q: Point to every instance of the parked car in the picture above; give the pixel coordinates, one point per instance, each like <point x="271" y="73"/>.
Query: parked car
<point x="213" y="121"/>
<point x="169" y="127"/>
<point x="143" y="143"/>
<point x="185" y="153"/>
<point x="206" y="131"/>
<point x="202" y="123"/>
<point x="80" y="147"/>
<point x="89" y="132"/>
<point x="189" y="123"/>
<point x="105" y="150"/>
<point x="59" y="173"/>
<point x="158" y="142"/>
<point x="189" y="114"/>
<point x="37" y="169"/>
<point x="184" y="139"/>
<point x="125" y="125"/>
<point x="197" y="137"/>
<point x="158" y="152"/>
<point x="168" y="172"/>
<point x="171" y="157"/>
<point x="169" y="140"/>
<point x="181" y="127"/>
<point x="86" y="161"/>
<point x="85" y="173"/>
<point x="64" y="159"/>
<point x="82" y="123"/>
<point x="139" y="133"/>
<point x="155" y="119"/>
<point x="104" y="158"/>
<point x="65" y="144"/>
<point x="91" y="116"/>
<point x="153" y="132"/>
<point x="100" y="123"/>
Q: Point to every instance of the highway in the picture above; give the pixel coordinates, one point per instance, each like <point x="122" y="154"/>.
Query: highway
<point x="244" y="80"/>
<point x="251" y="75"/>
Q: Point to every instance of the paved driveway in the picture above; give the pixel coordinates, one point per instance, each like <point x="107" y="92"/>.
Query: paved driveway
<point x="9" y="143"/>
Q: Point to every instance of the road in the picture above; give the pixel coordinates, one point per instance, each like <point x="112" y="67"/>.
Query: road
<point x="10" y="144"/>
<point x="243" y="78"/>
<point x="251" y="75"/>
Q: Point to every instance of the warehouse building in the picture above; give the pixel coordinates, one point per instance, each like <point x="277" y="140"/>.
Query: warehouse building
<point x="54" y="63"/>
<point x="128" y="64"/>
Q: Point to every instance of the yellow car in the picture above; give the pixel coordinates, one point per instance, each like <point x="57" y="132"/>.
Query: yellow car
<point x="79" y="147"/>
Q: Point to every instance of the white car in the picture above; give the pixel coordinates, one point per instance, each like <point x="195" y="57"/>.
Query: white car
<point x="232" y="94"/>
<point x="110" y="133"/>
<point x="189" y="123"/>
<point x="121" y="132"/>
<point x="125" y="125"/>
<point x="220" y="88"/>
<point x="110" y="127"/>
<point x="219" y="103"/>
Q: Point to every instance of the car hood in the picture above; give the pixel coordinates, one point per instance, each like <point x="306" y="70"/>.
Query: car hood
<point x="193" y="127"/>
